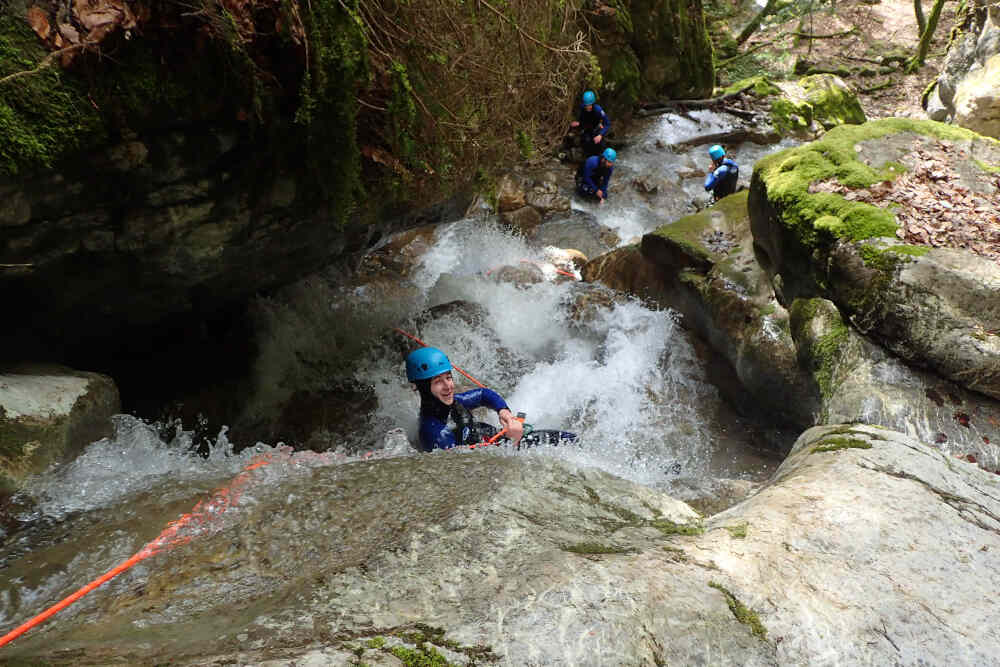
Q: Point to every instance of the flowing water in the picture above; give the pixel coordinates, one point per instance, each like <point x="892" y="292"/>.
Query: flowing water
<point x="624" y="375"/>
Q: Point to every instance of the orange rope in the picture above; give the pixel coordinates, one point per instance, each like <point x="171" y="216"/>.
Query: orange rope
<point x="222" y="499"/>
<point x="474" y="380"/>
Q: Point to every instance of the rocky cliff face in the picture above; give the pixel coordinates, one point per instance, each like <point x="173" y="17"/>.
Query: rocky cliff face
<point x="968" y="89"/>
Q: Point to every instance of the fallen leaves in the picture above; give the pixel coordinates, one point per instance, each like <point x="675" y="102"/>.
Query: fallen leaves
<point x="932" y="205"/>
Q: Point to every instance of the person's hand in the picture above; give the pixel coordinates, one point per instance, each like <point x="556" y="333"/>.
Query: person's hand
<point x="575" y="123"/>
<point x="515" y="428"/>
<point x="597" y="138"/>
<point x="600" y="195"/>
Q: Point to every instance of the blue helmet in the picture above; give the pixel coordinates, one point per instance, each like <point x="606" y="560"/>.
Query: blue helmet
<point x="717" y="152"/>
<point x="425" y="363"/>
<point x="609" y="154"/>
<point x="589" y="98"/>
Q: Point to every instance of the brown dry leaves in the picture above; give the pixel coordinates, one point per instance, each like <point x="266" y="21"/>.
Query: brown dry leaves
<point x="88" y="24"/>
<point x="932" y="206"/>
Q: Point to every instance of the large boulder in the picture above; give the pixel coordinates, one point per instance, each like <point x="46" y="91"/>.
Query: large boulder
<point x="814" y="103"/>
<point x="965" y="91"/>
<point x="865" y="547"/>
<point x="977" y="99"/>
<point x="47" y="415"/>
<point x="860" y="382"/>
<point x="822" y="229"/>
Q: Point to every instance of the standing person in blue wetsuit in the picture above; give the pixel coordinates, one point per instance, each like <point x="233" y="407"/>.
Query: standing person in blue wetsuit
<point x="445" y="420"/>
<point x="721" y="180"/>
<point x="593" y="123"/>
<point x="593" y="178"/>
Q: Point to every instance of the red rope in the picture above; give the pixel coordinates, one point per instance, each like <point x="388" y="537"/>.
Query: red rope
<point x="474" y="380"/>
<point x="204" y="511"/>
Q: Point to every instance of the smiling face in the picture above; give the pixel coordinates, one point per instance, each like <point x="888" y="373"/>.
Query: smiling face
<point x="443" y="388"/>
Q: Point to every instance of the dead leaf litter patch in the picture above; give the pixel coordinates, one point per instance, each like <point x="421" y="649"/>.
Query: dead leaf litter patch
<point x="932" y="206"/>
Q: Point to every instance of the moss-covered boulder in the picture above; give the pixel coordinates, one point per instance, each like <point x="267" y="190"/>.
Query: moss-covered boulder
<point x="703" y="266"/>
<point x="815" y="237"/>
<point x="861" y="382"/>
<point x="47" y="415"/>
<point x="821" y="99"/>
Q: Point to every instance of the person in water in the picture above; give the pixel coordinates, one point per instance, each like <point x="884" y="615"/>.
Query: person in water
<point x="593" y="178"/>
<point x="593" y="123"/>
<point x="721" y="180"/>
<point x="445" y="417"/>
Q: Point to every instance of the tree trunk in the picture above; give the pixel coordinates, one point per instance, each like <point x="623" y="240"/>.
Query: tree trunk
<point x="925" y="39"/>
<point x="751" y="27"/>
<point x="918" y="11"/>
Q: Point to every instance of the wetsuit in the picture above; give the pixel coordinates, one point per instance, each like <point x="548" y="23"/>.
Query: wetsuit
<point x="722" y="180"/>
<point x="435" y="417"/>
<point x="592" y="176"/>
<point x="592" y="123"/>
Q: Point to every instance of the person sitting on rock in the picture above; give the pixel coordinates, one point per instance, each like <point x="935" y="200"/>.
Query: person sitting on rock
<point x="593" y="178"/>
<point x="722" y="178"/>
<point x="445" y="417"/>
<point x="593" y="123"/>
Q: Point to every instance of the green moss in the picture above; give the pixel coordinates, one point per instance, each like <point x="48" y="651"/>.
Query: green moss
<point x="831" y="104"/>
<point x="833" y="444"/>
<point x="759" y="85"/>
<point x="44" y="116"/>
<point x="422" y="656"/>
<point x="789" y="173"/>
<point x="887" y="260"/>
<point x="597" y="548"/>
<point x="819" y="355"/>
<point x="328" y="105"/>
<point x="738" y="531"/>
<point x="789" y="116"/>
<point x="376" y="642"/>
<point x="624" y="77"/>
<point x="742" y="613"/>
<point x="687" y="232"/>
<point x="668" y="527"/>
<point x="993" y="169"/>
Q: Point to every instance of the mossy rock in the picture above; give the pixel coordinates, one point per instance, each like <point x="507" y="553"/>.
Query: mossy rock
<point x="833" y="103"/>
<point x="759" y="86"/>
<point x="927" y="305"/>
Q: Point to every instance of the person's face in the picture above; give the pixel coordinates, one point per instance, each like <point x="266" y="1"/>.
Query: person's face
<point x="588" y="107"/>
<point x="605" y="163"/>
<point x="443" y="388"/>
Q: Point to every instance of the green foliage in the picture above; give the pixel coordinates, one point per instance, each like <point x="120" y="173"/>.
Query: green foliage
<point x="402" y="114"/>
<point x="524" y="145"/>
<point x="44" y="115"/>
<point x="422" y="656"/>
<point x="328" y="107"/>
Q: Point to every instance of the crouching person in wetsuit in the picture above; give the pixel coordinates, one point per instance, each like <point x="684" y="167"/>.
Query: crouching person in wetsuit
<point x="593" y="178"/>
<point x="593" y="123"/>
<point x="445" y="420"/>
<point x="721" y="181"/>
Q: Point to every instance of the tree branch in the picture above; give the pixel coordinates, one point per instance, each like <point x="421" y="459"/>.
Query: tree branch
<point x="45" y="63"/>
